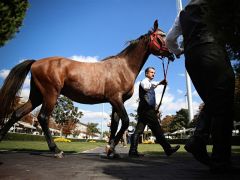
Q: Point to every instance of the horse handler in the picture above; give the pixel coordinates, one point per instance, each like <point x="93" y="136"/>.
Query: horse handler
<point x="147" y="115"/>
<point x="211" y="72"/>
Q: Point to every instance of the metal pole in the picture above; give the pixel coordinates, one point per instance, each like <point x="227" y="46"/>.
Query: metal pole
<point x="188" y="81"/>
<point x="102" y="121"/>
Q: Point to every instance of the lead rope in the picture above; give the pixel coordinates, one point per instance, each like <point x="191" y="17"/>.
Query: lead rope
<point x="165" y="71"/>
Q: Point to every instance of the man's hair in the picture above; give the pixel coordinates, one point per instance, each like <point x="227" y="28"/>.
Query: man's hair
<point x="147" y="69"/>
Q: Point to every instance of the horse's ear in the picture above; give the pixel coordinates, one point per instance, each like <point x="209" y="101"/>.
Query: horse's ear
<point x="155" y="26"/>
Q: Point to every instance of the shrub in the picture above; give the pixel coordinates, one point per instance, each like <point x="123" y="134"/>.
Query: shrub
<point x="61" y="139"/>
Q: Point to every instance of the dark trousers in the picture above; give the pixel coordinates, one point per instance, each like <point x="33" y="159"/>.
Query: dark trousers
<point x="213" y="77"/>
<point x="149" y="117"/>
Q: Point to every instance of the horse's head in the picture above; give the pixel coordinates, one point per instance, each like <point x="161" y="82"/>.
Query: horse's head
<point x="157" y="43"/>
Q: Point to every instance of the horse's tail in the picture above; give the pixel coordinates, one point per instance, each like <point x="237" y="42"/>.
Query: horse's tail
<point x="12" y="84"/>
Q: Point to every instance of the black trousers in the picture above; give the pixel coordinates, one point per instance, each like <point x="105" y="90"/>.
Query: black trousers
<point x="213" y="77"/>
<point x="149" y="117"/>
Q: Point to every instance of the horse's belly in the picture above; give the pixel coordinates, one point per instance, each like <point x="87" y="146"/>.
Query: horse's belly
<point x="81" y="97"/>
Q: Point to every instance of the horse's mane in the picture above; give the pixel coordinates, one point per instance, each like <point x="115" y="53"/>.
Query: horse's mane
<point x="131" y="44"/>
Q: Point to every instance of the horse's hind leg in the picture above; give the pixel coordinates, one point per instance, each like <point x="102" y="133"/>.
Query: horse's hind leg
<point x="114" y="124"/>
<point x="122" y="113"/>
<point x="44" y="114"/>
<point x="16" y="116"/>
<point x="125" y="123"/>
<point x="113" y="129"/>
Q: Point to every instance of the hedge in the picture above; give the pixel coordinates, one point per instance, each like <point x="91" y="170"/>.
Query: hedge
<point x="31" y="137"/>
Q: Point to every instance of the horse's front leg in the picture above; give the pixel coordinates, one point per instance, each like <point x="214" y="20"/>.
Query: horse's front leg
<point x="122" y="113"/>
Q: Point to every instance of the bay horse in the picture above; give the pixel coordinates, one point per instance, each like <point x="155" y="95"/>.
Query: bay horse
<point x="110" y="80"/>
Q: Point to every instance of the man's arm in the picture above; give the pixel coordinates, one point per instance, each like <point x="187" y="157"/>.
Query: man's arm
<point x="172" y="36"/>
<point x="146" y="85"/>
<point x="163" y="82"/>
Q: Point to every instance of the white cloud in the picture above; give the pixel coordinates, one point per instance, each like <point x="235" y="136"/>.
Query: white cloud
<point x="25" y="93"/>
<point x="102" y="118"/>
<point x="26" y="82"/>
<point x="132" y="102"/>
<point x="179" y="91"/>
<point x="195" y="93"/>
<point x="22" y="60"/>
<point x="181" y="74"/>
<point x="84" y="58"/>
<point x="4" y="73"/>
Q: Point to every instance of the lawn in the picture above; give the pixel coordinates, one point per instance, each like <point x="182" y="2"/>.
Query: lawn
<point x="157" y="149"/>
<point x="82" y="146"/>
<point x="42" y="146"/>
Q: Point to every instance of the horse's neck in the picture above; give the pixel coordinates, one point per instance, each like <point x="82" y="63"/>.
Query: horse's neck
<point x="137" y="57"/>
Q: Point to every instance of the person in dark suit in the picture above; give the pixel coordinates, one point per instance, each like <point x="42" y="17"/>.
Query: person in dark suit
<point x="147" y="115"/>
<point x="212" y="75"/>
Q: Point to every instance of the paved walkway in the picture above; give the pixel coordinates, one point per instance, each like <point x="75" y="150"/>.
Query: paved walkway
<point x="91" y="165"/>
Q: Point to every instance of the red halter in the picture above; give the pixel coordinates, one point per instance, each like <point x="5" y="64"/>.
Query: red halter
<point x="157" y="40"/>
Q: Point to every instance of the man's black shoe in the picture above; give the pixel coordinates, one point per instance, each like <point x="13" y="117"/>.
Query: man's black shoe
<point x="135" y="154"/>
<point x="198" y="150"/>
<point x="172" y="150"/>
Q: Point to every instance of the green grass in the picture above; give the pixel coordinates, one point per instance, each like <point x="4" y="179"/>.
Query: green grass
<point x="82" y="146"/>
<point x="42" y="146"/>
<point x="157" y="149"/>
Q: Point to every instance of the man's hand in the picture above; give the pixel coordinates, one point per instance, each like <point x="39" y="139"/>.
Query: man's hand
<point x="171" y="57"/>
<point x="178" y="55"/>
<point x="163" y="82"/>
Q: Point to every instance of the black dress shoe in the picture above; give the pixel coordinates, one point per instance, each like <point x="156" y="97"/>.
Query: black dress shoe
<point x="135" y="154"/>
<point x="172" y="150"/>
<point x="198" y="149"/>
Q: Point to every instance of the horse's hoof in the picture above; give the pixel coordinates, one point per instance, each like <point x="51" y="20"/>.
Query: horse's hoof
<point x="109" y="150"/>
<point x="59" y="155"/>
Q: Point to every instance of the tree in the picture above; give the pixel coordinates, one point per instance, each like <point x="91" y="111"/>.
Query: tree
<point x="65" y="114"/>
<point x="180" y="120"/>
<point x="193" y="123"/>
<point x="92" y="129"/>
<point x="68" y="127"/>
<point x="12" y="13"/>
<point x="135" y="116"/>
<point x="165" y="123"/>
<point x="106" y="135"/>
<point x="133" y="124"/>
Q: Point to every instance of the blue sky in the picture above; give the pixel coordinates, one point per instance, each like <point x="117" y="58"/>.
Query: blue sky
<point x="90" y="30"/>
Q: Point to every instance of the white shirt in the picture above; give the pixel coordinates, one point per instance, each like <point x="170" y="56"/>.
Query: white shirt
<point x="172" y="36"/>
<point x="147" y="84"/>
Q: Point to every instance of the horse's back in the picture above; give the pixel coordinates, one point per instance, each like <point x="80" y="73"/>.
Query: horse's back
<point x="50" y="72"/>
